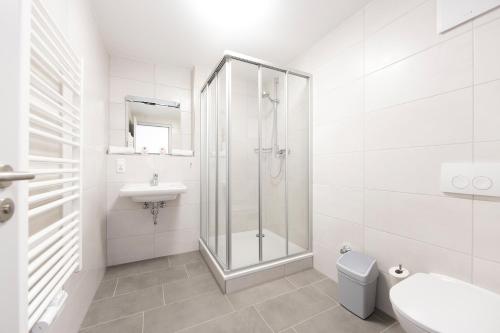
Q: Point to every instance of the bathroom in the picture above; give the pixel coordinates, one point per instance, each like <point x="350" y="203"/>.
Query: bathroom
<point x="250" y="166"/>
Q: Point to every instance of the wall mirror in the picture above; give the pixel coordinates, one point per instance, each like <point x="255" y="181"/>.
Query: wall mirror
<point x="156" y="126"/>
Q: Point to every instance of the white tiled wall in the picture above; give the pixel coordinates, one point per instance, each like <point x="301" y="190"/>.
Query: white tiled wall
<point x="131" y="234"/>
<point x="392" y="101"/>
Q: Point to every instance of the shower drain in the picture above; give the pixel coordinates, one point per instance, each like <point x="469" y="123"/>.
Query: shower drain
<point x="260" y="235"/>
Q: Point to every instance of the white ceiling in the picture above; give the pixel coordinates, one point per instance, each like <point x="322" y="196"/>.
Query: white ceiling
<point x="189" y="32"/>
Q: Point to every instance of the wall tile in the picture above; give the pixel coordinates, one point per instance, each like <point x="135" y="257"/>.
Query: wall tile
<point x="487" y="228"/>
<point x="423" y="122"/>
<point x="487" y="274"/>
<point x="126" y="223"/>
<point x="343" y="135"/>
<point x="487" y="52"/>
<point x="444" y="67"/>
<point x="131" y="69"/>
<point x="173" y="76"/>
<point x="332" y="233"/>
<point x="341" y="102"/>
<point x="379" y="13"/>
<point x="324" y="263"/>
<point x="117" y="137"/>
<point x="487" y="151"/>
<point x="406" y="36"/>
<point x="342" y="169"/>
<point x="176" y="241"/>
<point x="486" y="115"/>
<point x="178" y="217"/>
<point x="117" y="116"/>
<point x="348" y="33"/>
<point x="339" y="202"/>
<point x="443" y="221"/>
<point x="341" y="69"/>
<point x="122" y="250"/>
<point x="138" y="168"/>
<point x="413" y="170"/>
<point x="119" y="88"/>
<point x="391" y="250"/>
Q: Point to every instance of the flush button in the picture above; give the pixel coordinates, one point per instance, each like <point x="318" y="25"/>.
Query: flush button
<point x="460" y="182"/>
<point x="482" y="183"/>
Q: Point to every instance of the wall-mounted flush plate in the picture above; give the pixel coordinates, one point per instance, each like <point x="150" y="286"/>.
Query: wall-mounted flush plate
<point x="471" y="178"/>
<point x="120" y="165"/>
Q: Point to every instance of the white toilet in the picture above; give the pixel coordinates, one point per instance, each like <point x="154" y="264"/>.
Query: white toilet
<point x="433" y="303"/>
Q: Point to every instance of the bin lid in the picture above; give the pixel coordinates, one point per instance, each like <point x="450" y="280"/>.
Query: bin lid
<point x="358" y="266"/>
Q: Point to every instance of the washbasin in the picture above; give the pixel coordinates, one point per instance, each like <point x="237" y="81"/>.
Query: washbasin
<point x="145" y="192"/>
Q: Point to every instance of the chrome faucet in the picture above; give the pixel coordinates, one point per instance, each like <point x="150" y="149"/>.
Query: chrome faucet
<point x="154" y="181"/>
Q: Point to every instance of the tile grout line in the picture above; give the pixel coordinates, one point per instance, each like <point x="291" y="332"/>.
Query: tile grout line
<point x="262" y="317"/>
<point x="418" y="241"/>
<point x="206" y="321"/>
<point x="143" y="319"/>
<point x="146" y="310"/>
<point x="314" y="315"/>
<point x="323" y="293"/>
<point x="112" y="320"/>
<point x="163" y="294"/>
<point x="473" y="152"/>
<point x="116" y="286"/>
<point x="230" y="303"/>
<point x="390" y="326"/>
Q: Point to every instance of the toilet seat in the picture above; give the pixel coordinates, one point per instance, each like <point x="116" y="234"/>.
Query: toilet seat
<point x="440" y="304"/>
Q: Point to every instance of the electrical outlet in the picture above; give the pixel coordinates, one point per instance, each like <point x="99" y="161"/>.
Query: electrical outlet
<point x="120" y="165"/>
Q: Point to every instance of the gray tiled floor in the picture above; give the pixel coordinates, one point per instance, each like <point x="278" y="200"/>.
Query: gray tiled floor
<point x="178" y="294"/>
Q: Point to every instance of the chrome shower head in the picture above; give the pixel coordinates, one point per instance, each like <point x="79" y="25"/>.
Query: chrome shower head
<point x="265" y="94"/>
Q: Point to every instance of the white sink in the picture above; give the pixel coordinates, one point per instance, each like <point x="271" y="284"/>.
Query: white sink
<point x="145" y="192"/>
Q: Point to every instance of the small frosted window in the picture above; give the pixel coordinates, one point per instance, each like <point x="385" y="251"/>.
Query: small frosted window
<point x="154" y="138"/>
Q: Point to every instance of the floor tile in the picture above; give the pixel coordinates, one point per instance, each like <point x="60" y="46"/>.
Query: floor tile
<point x="339" y="320"/>
<point x="327" y="287"/>
<point x="291" y="308"/>
<point x="394" y="329"/>
<point x="179" y="315"/>
<point x="106" y="289"/>
<point x="125" y="325"/>
<point x="260" y="293"/>
<point x="145" y="280"/>
<point x="197" y="268"/>
<point x="289" y="330"/>
<point x="124" y="305"/>
<point x="188" y="288"/>
<point x="185" y="258"/>
<point x="243" y="321"/>
<point x="154" y="264"/>
<point x="304" y="278"/>
<point x="113" y="272"/>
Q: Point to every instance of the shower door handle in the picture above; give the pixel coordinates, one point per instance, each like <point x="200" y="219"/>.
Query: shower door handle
<point x="7" y="176"/>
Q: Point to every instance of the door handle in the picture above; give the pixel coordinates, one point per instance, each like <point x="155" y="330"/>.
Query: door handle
<point x="7" y="175"/>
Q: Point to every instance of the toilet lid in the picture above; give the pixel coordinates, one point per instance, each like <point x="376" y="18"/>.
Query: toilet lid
<point x="438" y="303"/>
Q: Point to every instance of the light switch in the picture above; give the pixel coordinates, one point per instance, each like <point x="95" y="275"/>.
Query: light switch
<point x="120" y="165"/>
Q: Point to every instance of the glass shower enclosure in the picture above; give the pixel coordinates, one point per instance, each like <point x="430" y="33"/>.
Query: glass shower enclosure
<point x="255" y="163"/>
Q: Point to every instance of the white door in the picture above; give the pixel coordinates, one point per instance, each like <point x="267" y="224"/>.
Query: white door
<point x="14" y="62"/>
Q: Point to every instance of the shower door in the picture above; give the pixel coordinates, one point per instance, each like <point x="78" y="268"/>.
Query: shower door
<point x="273" y="160"/>
<point x="255" y="191"/>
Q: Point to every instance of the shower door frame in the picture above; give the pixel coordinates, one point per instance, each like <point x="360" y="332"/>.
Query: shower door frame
<point x="227" y="61"/>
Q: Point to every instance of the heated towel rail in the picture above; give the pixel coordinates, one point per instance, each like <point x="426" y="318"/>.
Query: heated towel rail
<point x="55" y="132"/>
